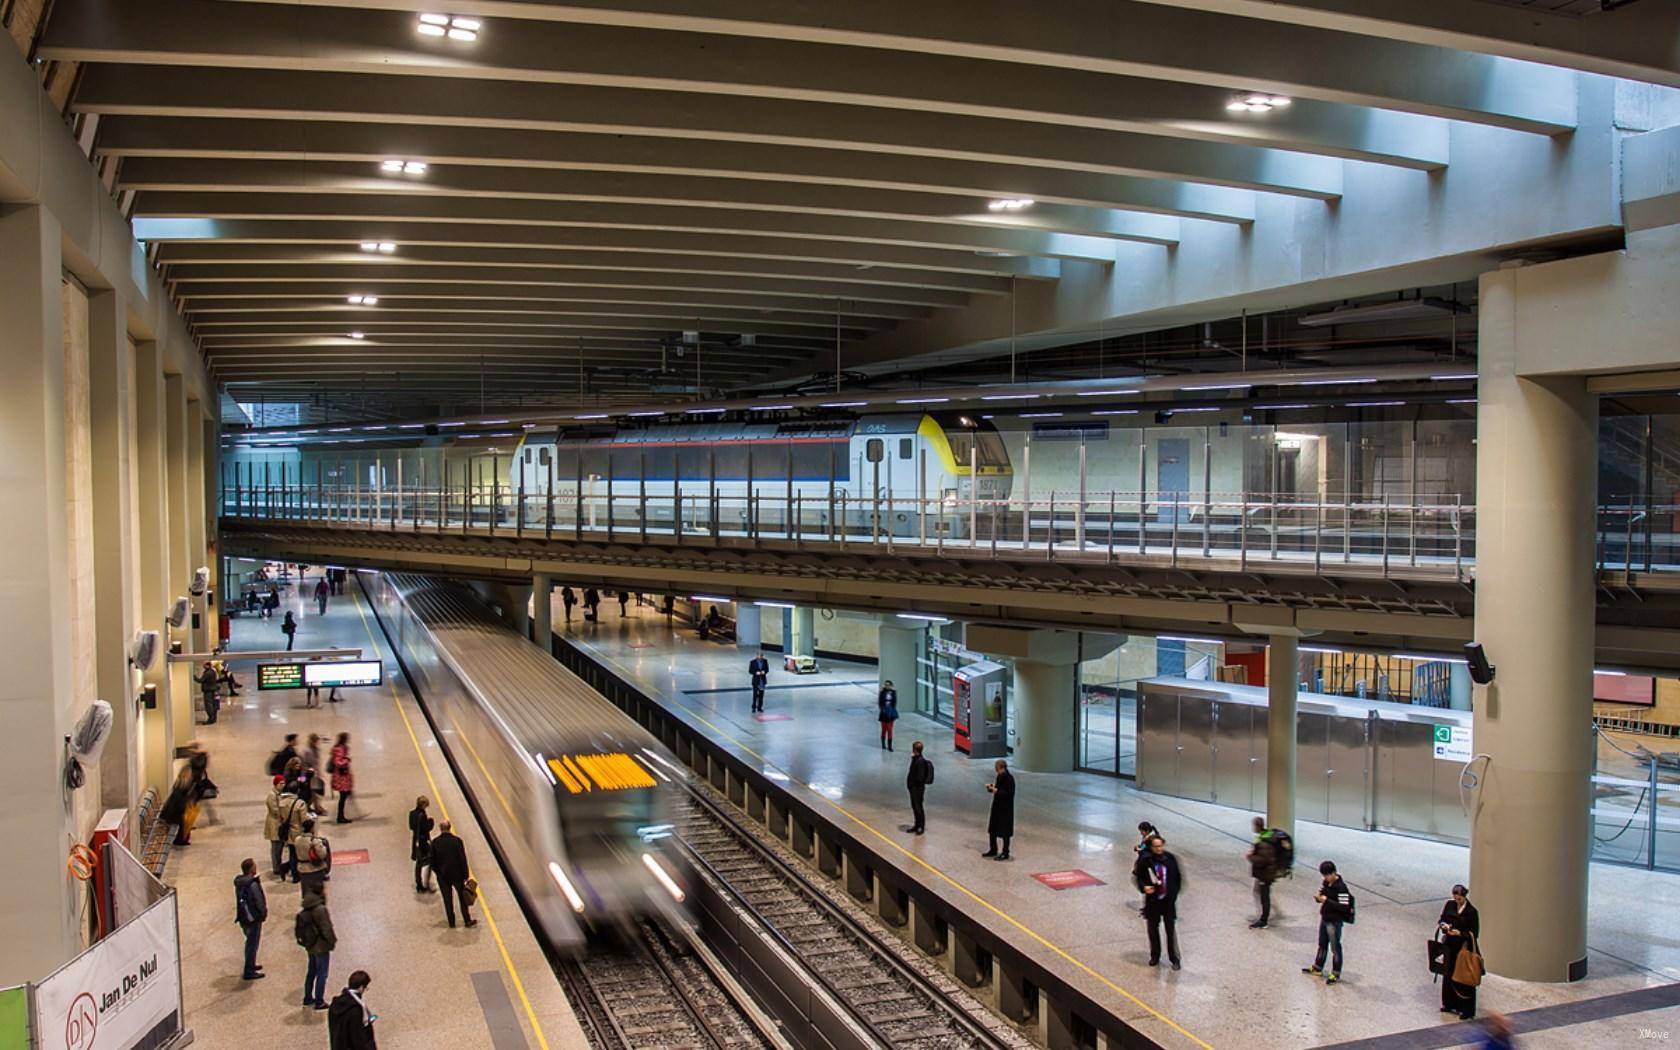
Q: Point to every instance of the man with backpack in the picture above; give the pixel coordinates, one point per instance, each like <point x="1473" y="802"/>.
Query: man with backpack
<point x="314" y="857"/>
<point x="313" y="930"/>
<point x="1270" y="858"/>
<point x="250" y="906"/>
<point x="1335" y="908"/>
<point x="919" y="777"/>
<point x="284" y="822"/>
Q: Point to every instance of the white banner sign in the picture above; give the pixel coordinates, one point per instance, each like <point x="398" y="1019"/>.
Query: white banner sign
<point x="124" y="993"/>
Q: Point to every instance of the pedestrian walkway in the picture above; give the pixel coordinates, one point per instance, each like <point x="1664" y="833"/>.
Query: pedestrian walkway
<point x="1067" y="892"/>
<point x="433" y="986"/>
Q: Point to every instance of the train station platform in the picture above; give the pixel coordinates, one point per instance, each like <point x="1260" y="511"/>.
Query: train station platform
<point x="489" y="986"/>
<point x="1066" y="897"/>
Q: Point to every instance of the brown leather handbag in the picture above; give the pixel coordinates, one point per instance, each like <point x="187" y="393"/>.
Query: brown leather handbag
<point x="1468" y="968"/>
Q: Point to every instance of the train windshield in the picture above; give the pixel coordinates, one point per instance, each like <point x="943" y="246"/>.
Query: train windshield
<point x="608" y="797"/>
<point x="987" y="444"/>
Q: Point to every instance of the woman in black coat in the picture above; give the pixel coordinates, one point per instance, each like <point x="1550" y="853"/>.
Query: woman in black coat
<point x="1459" y="923"/>
<point x="1002" y="822"/>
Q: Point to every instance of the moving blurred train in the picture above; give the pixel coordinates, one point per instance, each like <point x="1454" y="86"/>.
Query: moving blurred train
<point x="911" y="453"/>
<point x="570" y="790"/>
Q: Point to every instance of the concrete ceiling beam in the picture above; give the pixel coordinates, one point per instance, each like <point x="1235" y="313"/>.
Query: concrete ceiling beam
<point x="234" y="299"/>
<point x="875" y="51"/>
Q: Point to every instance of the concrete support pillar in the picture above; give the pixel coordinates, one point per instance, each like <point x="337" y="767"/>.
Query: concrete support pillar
<point x="181" y="564"/>
<point x="201" y="627"/>
<point x="542" y="611"/>
<point x="35" y="631"/>
<point x="898" y="648"/>
<point x="749" y="626"/>
<point x="157" y="725"/>
<point x="804" y="640"/>
<point x="115" y="551"/>
<point x="1536" y="482"/>
<point x="1283" y="673"/>
<point x="1044" y="716"/>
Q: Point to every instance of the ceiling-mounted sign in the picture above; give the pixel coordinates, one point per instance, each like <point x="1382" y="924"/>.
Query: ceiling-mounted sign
<point x="279" y="676"/>
<point x="344" y="673"/>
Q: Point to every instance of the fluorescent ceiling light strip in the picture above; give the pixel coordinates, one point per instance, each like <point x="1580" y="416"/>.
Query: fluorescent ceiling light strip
<point x="1106" y="393"/>
<point x="843" y="404"/>
<point x="1274" y="408"/>
<point x="1325" y="382"/>
<point x="1373" y="404"/>
<point x="1219" y="386"/>
<point x="923" y="400"/>
<point x="1115" y="412"/>
<point x="1040" y="415"/>
<point x="1187" y="638"/>
<point x="1010" y="397"/>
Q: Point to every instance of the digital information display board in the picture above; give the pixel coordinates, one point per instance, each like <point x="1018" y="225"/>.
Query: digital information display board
<point x="341" y="673"/>
<point x="344" y="673"/>
<point x="279" y="676"/>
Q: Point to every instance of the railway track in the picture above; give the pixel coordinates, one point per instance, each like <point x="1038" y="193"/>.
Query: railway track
<point x="899" y="1004"/>
<point x="654" y="994"/>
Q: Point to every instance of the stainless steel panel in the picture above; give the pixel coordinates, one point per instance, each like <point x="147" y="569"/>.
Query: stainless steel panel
<point x="1347" y="780"/>
<point x="1157" y="742"/>
<point x="1451" y="824"/>
<point x="1233" y="746"/>
<point x="1312" y="755"/>
<point x="1405" y="791"/>
<point x="1195" y="748"/>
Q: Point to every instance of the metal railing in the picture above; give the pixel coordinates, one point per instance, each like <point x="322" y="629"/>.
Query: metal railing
<point x="1435" y="538"/>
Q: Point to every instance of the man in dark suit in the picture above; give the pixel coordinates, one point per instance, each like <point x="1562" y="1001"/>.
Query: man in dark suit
<point x="917" y="780"/>
<point x="759" y="669"/>
<point x="449" y="864"/>
<point x="1001" y="825"/>
<point x="1157" y="876"/>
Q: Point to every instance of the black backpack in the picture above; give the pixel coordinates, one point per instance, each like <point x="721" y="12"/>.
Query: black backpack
<point x="304" y="928"/>
<point x="930" y="771"/>
<point x="1283" y="850"/>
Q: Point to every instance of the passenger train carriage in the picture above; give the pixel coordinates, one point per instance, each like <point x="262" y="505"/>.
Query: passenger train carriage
<point x="912" y="455"/>
<point x="570" y="789"/>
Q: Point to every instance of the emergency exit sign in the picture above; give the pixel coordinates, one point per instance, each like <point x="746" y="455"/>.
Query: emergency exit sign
<point x="1452" y="743"/>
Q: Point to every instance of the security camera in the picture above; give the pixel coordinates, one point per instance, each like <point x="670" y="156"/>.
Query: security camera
<point x="143" y="650"/>
<point x="200" y="581"/>
<point x="177" y="614"/>
<point x="1481" y="672"/>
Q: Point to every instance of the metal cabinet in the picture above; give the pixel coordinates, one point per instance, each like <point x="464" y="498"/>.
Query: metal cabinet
<point x="1359" y="764"/>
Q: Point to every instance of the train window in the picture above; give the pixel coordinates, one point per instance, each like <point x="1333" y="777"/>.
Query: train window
<point x="527" y="456"/>
<point x="875" y="450"/>
<point x="906" y="448"/>
<point x="542" y="456"/>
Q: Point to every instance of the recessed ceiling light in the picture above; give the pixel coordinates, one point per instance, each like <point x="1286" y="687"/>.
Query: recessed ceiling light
<point x="382" y="247"/>
<point x="1257" y="103"/>
<point x="1010" y="204"/>
<point x="364" y="300"/>
<point x="357" y="335"/>
<point x="455" y="28"/>
<point x="398" y="166"/>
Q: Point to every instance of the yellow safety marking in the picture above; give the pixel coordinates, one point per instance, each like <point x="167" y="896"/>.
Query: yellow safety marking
<point x="483" y="905"/>
<point x="983" y="902"/>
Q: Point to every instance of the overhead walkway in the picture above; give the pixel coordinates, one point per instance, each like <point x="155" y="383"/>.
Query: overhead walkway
<point x="1385" y="573"/>
<point x="490" y="986"/>
<point x="1066" y="898"/>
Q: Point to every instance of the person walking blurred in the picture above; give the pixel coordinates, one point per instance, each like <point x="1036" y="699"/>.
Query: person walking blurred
<point x="420" y="843"/>
<point x="343" y="780"/>
<point x="1265" y="864"/>
<point x="311" y="756"/>
<point x="181" y="808"/>
<point x="250" y="911"/>
<point x="916" y="781"/>
<point x="1160" y="879"/>
<point x="568" y="598"/>
<point x="315" y="935"/>
<point x="321" y="591"/>
<point x="1001" y="823"/>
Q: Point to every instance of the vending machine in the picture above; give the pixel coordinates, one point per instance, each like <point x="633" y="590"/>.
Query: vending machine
<point x="979" y="709"/>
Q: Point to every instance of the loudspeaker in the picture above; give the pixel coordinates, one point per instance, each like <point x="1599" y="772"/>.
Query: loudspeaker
<point x="1481" y="672"/>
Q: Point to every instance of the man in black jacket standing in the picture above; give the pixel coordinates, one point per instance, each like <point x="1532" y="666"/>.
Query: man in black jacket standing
<point x="1001" y="824"/>
<point x="251" y="906"/>
<point x="917" y="780"/>
<point x="1335" y="907"/>
<point x="449" y="864"/>
<point x="1159" y="880"/>
<point x="349" y="1021"/>
<point x="759" y="668"/>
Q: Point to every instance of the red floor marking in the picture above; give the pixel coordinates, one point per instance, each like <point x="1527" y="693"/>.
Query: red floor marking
<point x="1071" y="879"/>
<point x="349" y="856"/>
<point x="772" y="718"/>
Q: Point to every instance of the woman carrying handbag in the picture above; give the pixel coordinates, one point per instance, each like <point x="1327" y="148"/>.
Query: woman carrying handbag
<point x="1461" y="955"/>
